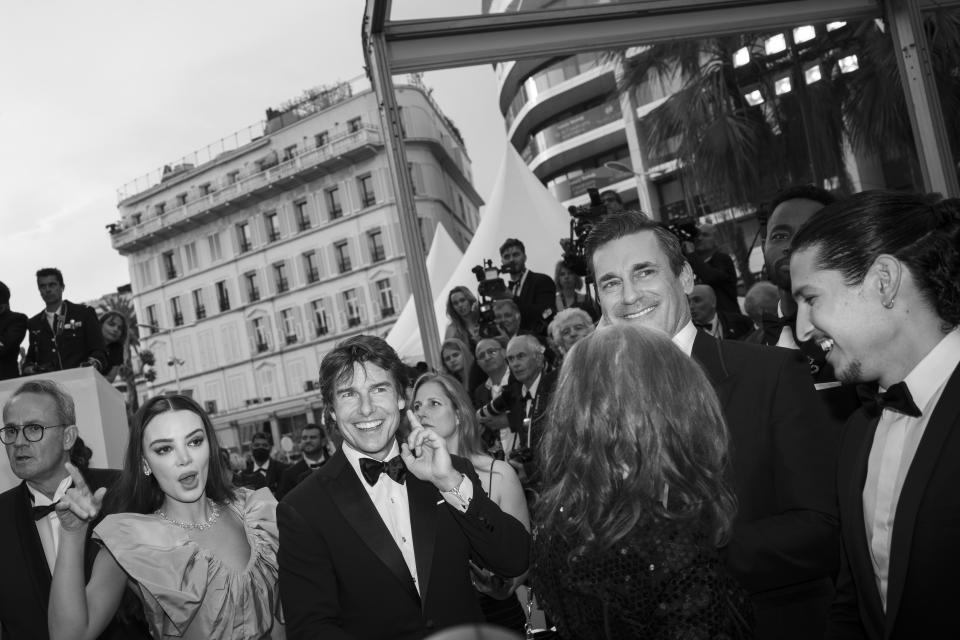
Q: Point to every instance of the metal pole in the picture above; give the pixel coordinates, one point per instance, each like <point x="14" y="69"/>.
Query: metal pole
<point x="378" y="68"/>
<point x="173" y="358"/>
<point x="923" y="101"/>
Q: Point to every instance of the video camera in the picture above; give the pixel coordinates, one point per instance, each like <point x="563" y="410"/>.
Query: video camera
<point x="491" y="287"/>
<point x="582" y="219"/>
<point x="685" y="229"/>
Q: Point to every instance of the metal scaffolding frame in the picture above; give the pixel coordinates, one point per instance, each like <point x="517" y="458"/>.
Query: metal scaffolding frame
<point x="411" y="46"/>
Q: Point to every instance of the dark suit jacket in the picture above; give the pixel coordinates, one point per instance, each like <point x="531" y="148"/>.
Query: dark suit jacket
<point x="256" y="480"/>
<point x="294" y="475"/>
<point x="719" y="272"/>
<point x="78" y="339"/>
<point x="13" y="327"/>
<point x="922" y="586"/>
<point x="734" y="326"/>
<point x="342" y="575"/>
<point x="785" y="546"/>
<point x="537" y="301"/>
<point x="25" y="578"/>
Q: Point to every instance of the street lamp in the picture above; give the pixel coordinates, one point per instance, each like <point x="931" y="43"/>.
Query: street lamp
<point x="174" y="361"/>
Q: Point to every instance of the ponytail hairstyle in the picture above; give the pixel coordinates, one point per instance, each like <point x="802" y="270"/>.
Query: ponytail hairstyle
<point x="922" y="231"/>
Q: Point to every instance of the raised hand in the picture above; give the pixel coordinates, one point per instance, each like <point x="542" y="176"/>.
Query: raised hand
<point x="426" y="456"/>
<point x="78" y="506"/>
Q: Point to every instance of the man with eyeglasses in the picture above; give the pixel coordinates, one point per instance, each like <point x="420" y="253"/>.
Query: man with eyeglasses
<point x="492" y="360"/>
<point x="39" y="430"/>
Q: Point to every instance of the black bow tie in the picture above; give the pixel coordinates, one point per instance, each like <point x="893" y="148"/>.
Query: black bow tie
<point x="896" y="398"/>
<point x="39" y="513"/>
<point x="372" y="469"/>
<point x="706" y="326"/>
<point x="314" y="465"/>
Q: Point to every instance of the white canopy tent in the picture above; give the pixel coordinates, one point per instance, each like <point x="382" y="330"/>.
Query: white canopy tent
<point x="520" y="207"/>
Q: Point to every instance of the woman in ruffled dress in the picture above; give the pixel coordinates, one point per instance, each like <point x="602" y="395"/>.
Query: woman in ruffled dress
<point x="441" y="405"/>
<point x="635" y="504"/>
<point x="199" y="554"/>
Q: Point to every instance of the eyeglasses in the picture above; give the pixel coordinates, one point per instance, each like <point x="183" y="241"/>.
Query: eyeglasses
<point x="31" y="431"/>
<point x="488" y="353"/>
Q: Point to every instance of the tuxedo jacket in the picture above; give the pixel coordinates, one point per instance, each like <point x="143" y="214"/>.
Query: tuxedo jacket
<point x="342" y="575"/>
<point x="512" y="403"/>
<point x="785" y="547"/>
<point x="25" y="577"/>
<point x="13" y="327"/>
<point x="537" y="301"/>
<point x="922" y="579"/>
<point x="78" y="339"/>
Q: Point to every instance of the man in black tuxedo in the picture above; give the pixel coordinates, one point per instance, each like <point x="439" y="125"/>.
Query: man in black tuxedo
<point x="39" y="430"/>
<point x="785" y="543"/>
<point x="877" y="282"/>
<point x="13" y="327"/>
<point x="535" y="293"/>
<point x="262" y="470"/>
<point x="375" y="544"/>
<point x="789" y="211"/>
<point x="313" y="454"/>
<point x="64" y="335"/>
<point x="719" y="324"/>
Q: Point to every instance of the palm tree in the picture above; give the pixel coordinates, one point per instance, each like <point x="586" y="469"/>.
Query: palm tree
<point x="738" y="153"/>
<point x="122" y="305"/>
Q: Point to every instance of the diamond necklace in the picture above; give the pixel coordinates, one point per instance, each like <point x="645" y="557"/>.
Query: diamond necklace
<point x="200" y="526"/>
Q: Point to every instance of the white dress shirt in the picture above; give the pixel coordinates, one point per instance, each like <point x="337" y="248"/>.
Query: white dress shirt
<point x="391" y="501"/>
<point x="685" y="337"/>
<point x="49" y="526"/>
<point x="894" y="446"/>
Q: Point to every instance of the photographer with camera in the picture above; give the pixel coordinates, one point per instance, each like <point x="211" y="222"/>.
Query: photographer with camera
<point x="524" y="401"/>
<point x="535" y="293"/>
<point x="710" y="266"/>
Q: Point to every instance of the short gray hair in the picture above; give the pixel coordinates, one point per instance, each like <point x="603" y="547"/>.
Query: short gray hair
<point x="66" y="411"/>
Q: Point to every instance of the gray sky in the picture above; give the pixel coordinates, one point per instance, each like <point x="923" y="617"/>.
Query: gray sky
<point x="95" y="94"/>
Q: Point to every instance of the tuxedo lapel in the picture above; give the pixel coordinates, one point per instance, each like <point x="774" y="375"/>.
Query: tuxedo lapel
<point x="31" y="547"/>
<point x="946" y="414"/>
<point x="354" y="503"/>
<point x="858" y="550"/>
<point x="422" y="497"/>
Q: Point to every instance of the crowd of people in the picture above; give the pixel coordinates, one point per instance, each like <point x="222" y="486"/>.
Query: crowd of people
<point x="650" y="461"/>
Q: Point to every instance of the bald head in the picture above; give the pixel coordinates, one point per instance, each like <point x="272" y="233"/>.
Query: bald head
<point x="703" y="304"/>
<point x="762" y="298"/>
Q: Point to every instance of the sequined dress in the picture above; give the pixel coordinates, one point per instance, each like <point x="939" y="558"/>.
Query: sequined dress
<point x="185" y="590"/>
<point x="662" y="581"/>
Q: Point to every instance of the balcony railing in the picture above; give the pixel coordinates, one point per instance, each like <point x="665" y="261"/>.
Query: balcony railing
<point x="202" y="312"/>
<point x="313" y="275"/>
<point x="254" y="295"/>
<point x="307" y="159"/>
<point x="283" y="285"/>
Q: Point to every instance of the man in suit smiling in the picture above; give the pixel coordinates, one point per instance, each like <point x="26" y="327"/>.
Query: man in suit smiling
<point x="375" y="543"/>
<point x="877" y="284"/>
<point x="785" y="543"/>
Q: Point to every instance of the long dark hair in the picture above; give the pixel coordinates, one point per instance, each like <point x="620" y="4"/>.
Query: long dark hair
<point x="123" y="319"/>
<point x="920" y="230"/>
<point x="139" y="493"/>
<point x="644" y="423"/>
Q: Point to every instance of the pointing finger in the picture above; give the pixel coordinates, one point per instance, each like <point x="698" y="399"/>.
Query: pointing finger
<point x="78" y="482"/>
